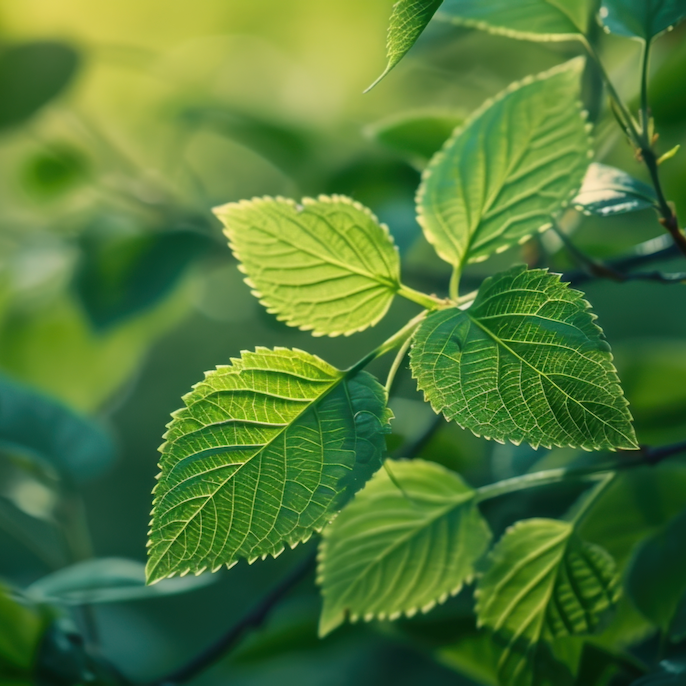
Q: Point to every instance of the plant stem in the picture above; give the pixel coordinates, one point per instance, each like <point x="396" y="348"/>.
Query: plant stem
<point x="396" y="365"/>
<point x="454" y="289"/>
<point x="645" y="113"/>
<point x="430" y="302"/>
<point x="586" y="503"/>
<point x="253" y="619"/>
<point x="389" y="344"/>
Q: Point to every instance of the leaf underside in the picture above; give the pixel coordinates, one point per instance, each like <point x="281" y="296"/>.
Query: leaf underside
<point x="265" y="452"/>
<point x="512" y="167"/>
<point x="525" y="363"/>
<point x="325" y="265"/>
<point x="393" y="552"/>
<point x="641" y="18"/>
<point x="408" y="21"/>
<point x="607" y="191"/>
<point x="542" y="582"/>
<point x="538" y="20"/>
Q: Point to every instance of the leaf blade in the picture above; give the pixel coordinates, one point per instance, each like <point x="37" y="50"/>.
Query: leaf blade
<point x="408" y="21"/>
<point x="512" y="167"/>
<point x="326" y="265"/>
<point x="643" y="19"/>
<point x="274" y="444"/>
<point x="525" y="363"/>
<point x="392" y="536"/>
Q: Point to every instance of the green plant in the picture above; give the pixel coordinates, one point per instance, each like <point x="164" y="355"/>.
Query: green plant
<point x="279" y="445"/>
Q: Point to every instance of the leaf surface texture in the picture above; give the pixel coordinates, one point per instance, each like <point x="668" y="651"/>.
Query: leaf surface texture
<point x="264" y="453"/>
<point x="525" y="362"/>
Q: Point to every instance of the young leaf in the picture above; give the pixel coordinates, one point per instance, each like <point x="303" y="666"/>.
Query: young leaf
<point x="71" y="443"/>
<point x="641" y="18"/>
<point x="542" y="582"/>
<point x="656" y="579"/>
<point x="106" y="580"/>
<point x="417" y="135"/>
<point x="607" y="191"/>
<point x="508" y="170"/>
<point x="31" y="75"/>
<point x="326" y="265"/>
<point x="265" y="452"/>
<point x="408" y="21"/>
<point x="538" y="20"/>
<point x="396" y="551"/>
<point x="525" y="362"/>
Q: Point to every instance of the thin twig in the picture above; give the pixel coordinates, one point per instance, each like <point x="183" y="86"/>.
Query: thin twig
<point x="251" y="620"/>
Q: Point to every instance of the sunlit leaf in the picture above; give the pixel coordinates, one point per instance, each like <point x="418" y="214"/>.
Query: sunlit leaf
<point x="408" y="21"/>
<point x="539" y="20"/>
<point x="31" y="75"/>
<point x="656" y="579"/>
<point x="265" y="452"/>
<point x="107" y="580"/>
<point x="542" y="582"/>
<point x="43" y="427"/>
<point x="641" y="18"/>
<point x="607" y="191"/>
<point x="400" y="548"/>
<point x="525" y="362"/>
<point x="416" y="135"/>
<point x="325" y="265"/>
<point x="513" y="166"/>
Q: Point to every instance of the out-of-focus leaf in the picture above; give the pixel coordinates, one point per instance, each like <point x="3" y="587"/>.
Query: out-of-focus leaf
<point x="286" y="146"/>
<point x="542" y="582"/>
<point x="656" y="578"/>
<point x="670" y="673"/>
<point x="641" y="18"/>
<point x="31" y="75"/>
<point x="654" y="379"/>
<point x="647" y="499"/>
<point x="667" y="103"/>
<point x="69" y="442"/>
<point x="607" y="191"/>
<point x="402" y="546"/>
<point x="107" y="580"/>
<point x="53" y="172"/>
<point x="408" y="21"/>
<point x="678" y="627"/>
<point x="53" y="347"/>
<point x="601" y="667"/>
<point x="539" y="20"/>
<point x="21" y="630"/>
<point x="526" y="362"/>
<point x="416" y="135"/>
<point x="512" y="167"/>
<point x="121" y="275"/>
<point x="264" y="453"/>
<point x="326" y="265"/>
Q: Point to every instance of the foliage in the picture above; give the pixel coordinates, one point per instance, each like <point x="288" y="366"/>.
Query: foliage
<point x="513" y="553"/>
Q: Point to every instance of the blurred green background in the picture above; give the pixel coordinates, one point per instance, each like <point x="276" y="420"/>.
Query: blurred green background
<point x="121" y="125"/>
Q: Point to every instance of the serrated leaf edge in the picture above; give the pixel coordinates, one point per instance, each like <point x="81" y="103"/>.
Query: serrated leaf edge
<point x="441" y="154"/>
<point x="331" y="199"/>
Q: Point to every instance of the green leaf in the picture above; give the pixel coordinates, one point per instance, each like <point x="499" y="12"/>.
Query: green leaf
<point x="513" y="166"/>
<point x="538" y="20"/>
<point x="542" y="582"/>
<point x="656" y="578"/>
<point x="607" y="191"/>
<point x="525" y="362"/>
<point x="21" y="629"/>
<point x="122" y="274"/>
<point x="55" y="171"/>
<point x="42" y="426"/>
<point x="416" y="135"/>
<point x="31" y="75"/>
<point x="408" y="21"/>
<point x="265" y="452"/>
<point x="641" y="18"/>
<point x="107" y="580"/>
<point x="393" y="552"/>
<point x="325" y="265"/>
<point x="671" y="673"/>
